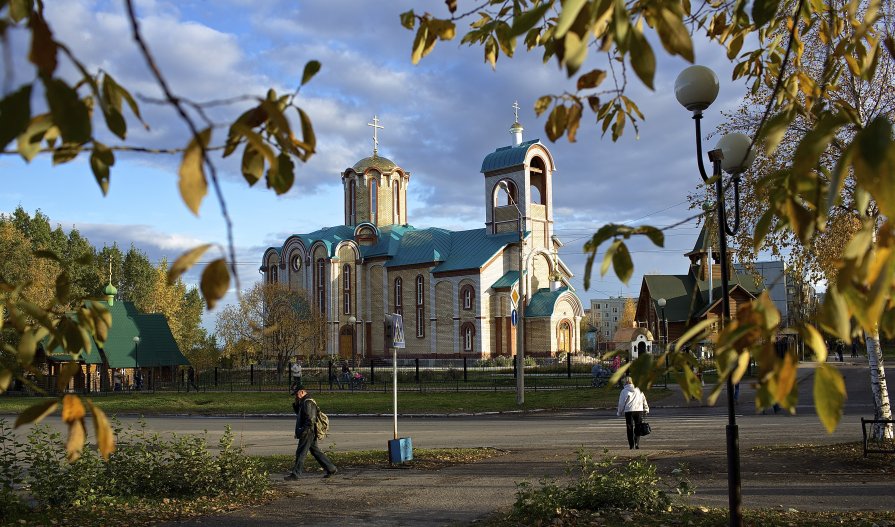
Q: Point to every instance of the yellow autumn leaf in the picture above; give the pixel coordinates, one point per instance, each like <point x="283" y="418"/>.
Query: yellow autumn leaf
<point x="35" y="413"/>
<point x="829" y="395"/>
<point x="105" y="437"/>
<point x="76" y="436"/>
<point x="193" y="185"/>
<point x="72" y="408"/>
<point x="185" y="261"/>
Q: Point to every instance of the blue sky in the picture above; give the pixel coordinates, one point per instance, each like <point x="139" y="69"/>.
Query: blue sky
<point x="441" y="118"/>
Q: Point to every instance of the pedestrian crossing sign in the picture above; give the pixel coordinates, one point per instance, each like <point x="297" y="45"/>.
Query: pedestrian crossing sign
<point x="394" y="331"/>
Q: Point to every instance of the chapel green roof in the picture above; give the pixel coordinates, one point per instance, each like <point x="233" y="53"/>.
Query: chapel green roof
<point x="507" y="156"/>
<point x="543" y="302"/>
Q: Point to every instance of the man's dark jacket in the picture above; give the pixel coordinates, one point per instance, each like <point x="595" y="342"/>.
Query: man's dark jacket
<point x="305" y="415"/>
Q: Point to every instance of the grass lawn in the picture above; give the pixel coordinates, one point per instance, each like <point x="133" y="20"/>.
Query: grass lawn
<point x="342" y="402"/>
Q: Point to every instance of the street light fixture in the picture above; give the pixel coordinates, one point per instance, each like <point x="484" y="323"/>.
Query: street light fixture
<point x="137" y="362"/>
<point x="520" y="308"/>
<point x="352" y="320"/>
<point x="696" y="89"/>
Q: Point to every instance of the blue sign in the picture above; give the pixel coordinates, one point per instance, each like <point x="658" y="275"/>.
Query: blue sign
<point x="514" y="317"/>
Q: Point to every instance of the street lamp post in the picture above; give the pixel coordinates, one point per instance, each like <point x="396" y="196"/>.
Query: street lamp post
<point x="696" y="89"/>
<point x="352" y="320"/>
<point x="520" y="308"/>
<point x="663" y="336"/>
<point x="137" y="362"/>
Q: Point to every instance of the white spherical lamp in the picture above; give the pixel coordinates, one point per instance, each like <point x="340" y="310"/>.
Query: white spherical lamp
<point x="696" y="88"/>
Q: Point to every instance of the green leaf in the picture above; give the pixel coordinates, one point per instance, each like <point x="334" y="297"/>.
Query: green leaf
<point x="874" y="163"/>
<point x="101" y="159"/>
<point x="556" y="122"/>
<point x="773" y="131"/>
<point x="575" y="52"/>
<point x="570" y="10"/>
<point x="20" y="9"/>
<point x="36" y="413"/>
<point x="591" y="80"/>
<point x="215" y="282"/>
<point x="408" y="20"/>
<point x="192" y="184"/>
<point x="528" y="19"/>
<point x="608" y="256"/>
<point x="673" y="34"/>
<point x="307" y="134"/>
<point x="311" y="69"/>
<point x="15" y="112"/>
<point x="542" y="104"/>
<point x="763" y="11"/>
<point x="69" y="112"/>
<point x="622" y="264"/>
<point x="643" y="60"/>
<point x="419" y="43"/>
<point x="43" y="47"/>
<point x="620" y="24"/>
<point x="252" y="165"/>
<point x="185" y="261"/>
<point x="829" y="395"/>
<point x="283" y="177"/>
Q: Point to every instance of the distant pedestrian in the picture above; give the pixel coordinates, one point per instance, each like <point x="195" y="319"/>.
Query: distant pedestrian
<point x="306" y="410"/>
<point x="632" y="403"/>
<point x="116" y="379"/>
<point x="296" y="372"/>
<point x="191" y="379"/>
<point x="854" y="349"/>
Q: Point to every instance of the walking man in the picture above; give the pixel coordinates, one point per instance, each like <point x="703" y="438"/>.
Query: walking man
<point x="191" y="379"/>
<point x="306" y="432"/>
<point x="632" y="402"/>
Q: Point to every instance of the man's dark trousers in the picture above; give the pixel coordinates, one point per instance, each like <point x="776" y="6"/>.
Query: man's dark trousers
<point x="307" y="441"/>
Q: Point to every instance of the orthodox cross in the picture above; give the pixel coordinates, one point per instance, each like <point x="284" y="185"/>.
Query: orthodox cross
<point x="375" y="124"/>
<point x="516" y="110"/>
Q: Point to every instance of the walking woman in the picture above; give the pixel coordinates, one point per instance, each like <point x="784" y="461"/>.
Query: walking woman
<point x="633" y="403"/>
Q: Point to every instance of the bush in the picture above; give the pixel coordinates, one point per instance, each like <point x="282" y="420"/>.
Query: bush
<point x="143" y="466"/>
<point x="600" y="484"/>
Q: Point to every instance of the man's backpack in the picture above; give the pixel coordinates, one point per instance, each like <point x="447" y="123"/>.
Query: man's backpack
<point x="321" y="426"/>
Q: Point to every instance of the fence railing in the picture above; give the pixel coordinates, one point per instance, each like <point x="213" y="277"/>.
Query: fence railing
<point x="877" y="443"/>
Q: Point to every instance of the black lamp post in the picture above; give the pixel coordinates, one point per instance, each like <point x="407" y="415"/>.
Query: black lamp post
<point x="137" y="362"/>
<point x="696" y="89"/>
<point x="663" y="336"/>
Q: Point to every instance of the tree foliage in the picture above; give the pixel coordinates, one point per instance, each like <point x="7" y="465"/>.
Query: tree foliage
<point x="271" y="323"/>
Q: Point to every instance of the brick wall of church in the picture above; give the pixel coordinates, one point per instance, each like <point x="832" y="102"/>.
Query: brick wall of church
<point x="445" y="298"/>
<point x="416" y="346"/>
<point x="377" y="306"/>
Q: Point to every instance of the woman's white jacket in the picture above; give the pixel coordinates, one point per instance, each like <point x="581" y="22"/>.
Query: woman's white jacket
<point x="632" y="400"/>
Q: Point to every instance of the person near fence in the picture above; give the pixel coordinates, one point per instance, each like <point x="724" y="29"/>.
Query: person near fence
<point x="345" y="377"/>
<point x="191" y="379"/>
<point x="632" y="403"/>
<point x="305" y="410"/>
<point x="296" y="372"/>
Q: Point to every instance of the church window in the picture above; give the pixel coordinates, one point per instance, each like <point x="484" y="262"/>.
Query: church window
<point x="503" y="198"/>
<point x="398" y="303"/>
<point x="321" y="290"/>
<point x="420" y="311"/>
<point x="396" y="202"/>
<point x="352" y="202"/>
<point x="374" y="200"/>
<point x="467" y="336"/>
<point x="467" y="294"/>
<point x="273" y="274"/>
<point x="295" y="262"/>
<point x="346" y="289"/>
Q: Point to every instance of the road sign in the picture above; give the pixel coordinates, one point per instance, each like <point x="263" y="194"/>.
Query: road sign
<point x="514" y="317"/>
<point x="394" y="331"/>
<point x="514" y="296"/>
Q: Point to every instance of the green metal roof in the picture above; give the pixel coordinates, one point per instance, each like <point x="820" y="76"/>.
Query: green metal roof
<point x="422" y="247"/>
<point x="682" y="298"/>
<point x="507" y="156"/>
<point x="472" y="249"/>
<point x="542" y="302"/>
<point x="507" y="280"/>
<point x="157" y="346"/>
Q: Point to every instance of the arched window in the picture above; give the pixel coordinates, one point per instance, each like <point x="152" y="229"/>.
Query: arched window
<point x="502" y="198"/>
<point x="564" y="337"/>
<point x="295" y="263"/>
<point x="420" y="310"/>
<point x="319" y="284"/>
<point x="399" y="309"/>
<point x="396" y="202"/>
<point x="467" y="298"/>
<point x="273" y="274"/>
<point x="346" y="289"/>
<point x="467" y="337"/>
<point x="352" y="202"/>
<point x="374" y="200"/>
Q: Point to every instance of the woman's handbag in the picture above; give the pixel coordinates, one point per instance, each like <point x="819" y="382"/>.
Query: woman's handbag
<point x="644" y="429"/>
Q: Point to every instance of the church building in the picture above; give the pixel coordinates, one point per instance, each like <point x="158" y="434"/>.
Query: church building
<point x="456" y="290"/>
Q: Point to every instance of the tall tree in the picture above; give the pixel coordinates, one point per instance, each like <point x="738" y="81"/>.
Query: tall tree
<point x="270" y="322"/>
<point x="629" y="312"/>
<point x="137" y="276"/>
<point x="866" y="92"/>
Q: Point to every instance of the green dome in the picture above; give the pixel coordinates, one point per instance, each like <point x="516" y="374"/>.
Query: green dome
<point x="382" y="164"/>
<point x="110" y="290"/>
